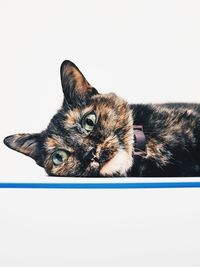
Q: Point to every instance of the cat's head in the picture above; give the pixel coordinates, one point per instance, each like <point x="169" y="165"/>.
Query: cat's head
<point x="91" y="135"/>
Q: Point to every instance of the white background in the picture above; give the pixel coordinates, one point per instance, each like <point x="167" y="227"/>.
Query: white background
<point x="145" y="51"/>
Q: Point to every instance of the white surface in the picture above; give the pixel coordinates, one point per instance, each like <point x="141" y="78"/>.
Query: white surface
<point x="100" y="228"/>
<point x="146" y="51"/>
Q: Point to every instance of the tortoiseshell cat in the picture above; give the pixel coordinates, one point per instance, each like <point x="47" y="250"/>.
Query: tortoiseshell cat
<point x="93" y="135"/>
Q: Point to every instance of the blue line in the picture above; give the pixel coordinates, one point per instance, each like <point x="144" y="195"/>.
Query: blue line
<point x="99" y="185"/>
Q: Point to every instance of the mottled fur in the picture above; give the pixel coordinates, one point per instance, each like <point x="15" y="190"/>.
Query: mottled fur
<point x="172" y="135"/>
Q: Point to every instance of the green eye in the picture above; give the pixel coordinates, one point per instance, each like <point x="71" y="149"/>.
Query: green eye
<point x="89" y="122"/>
<point x="59" y="157"/>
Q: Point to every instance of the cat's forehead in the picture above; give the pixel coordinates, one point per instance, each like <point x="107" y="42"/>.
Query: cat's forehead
<point x="105" y="105"/>
<point x="74" y="115"/>
<point x="54" y="141"/>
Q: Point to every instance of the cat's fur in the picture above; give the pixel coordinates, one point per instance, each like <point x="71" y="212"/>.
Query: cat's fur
<point x="172" y="135"/>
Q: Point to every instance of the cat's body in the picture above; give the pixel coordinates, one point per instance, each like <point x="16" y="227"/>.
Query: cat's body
<point x="93" y="135"/>
<point x="172" y="139"/>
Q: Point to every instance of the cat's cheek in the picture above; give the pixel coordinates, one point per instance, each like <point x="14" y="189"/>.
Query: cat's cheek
<point x="51" y="169"/>
<point x="120" y="163"/>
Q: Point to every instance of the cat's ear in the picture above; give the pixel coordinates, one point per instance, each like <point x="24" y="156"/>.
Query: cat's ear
<point x="27" y="144"/>
<point x="76" y="88"/>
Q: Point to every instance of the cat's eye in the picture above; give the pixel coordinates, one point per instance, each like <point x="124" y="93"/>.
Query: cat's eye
<point x="59" y="156"/>
<point x="89" y="122"/>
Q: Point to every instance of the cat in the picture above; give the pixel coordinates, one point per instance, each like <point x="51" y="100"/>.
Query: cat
<point x="101" y="135"/>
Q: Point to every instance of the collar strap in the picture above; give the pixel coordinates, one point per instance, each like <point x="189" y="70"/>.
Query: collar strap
<point x="140" y="140"/>
<point x="139" y="147"/>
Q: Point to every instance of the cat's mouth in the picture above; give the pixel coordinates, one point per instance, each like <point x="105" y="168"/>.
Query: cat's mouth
<point x="120" y="164"/>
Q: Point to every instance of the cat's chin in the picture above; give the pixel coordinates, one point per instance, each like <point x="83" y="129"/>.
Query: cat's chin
<point x="120" y="163"/>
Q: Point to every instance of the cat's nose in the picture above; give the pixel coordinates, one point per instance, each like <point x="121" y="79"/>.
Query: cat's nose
<point x="90" y="155"/>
